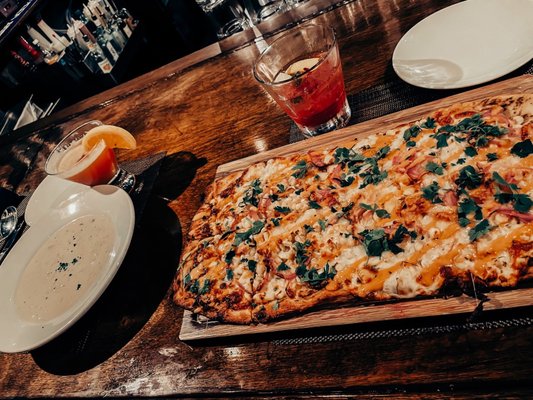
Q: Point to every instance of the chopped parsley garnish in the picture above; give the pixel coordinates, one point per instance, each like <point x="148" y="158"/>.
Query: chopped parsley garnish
<point x="492" y="156"/>
<point x="300" y="168"/>
<point x="522" y="149"/>
<point x="372" y="175"/>
<point x="410" y="143"/>
<point x="251" y="194"/>
<point x="283" y="267"/>
<point x="429" y="123"/>
<point x="431" y="193"/>
<point x="380" y="212"/>
<point x="186" y="279"/>
<point x="375" y="241"/>
<point x="469" y="178"/>
<point x="470" y="151"/>
<point x="283" y="210"/>
<point x="205" y="287"/>
<point x="348" y="156"/>
<point x="313" y="204"/>
<point x="308" y="228"/>
<point x="434" y="168"/>
<point x="275" y="221"/>
<point x="301" y="252"/>
<point x="281" y="187"/>
<point x="521" y="202"/>
<point x="465" y="207"/>
<point x="62" y="266"/>
<point x="346" y="180"/>
<point x="411" y="132"/>
<point x="252" y="265"/>
<point x="473" y="129"/>
<point x="317" y="279"/>
<point x="382" y="152"/>
<point x="322" y="224"/>
<point x="244" y="236"/>
<point x="479" y="230"/>
<point x="229" y="274"/>
<point x="229" y="256"/>
<point x="442" y="139"/>
<point x="195" y="287"/>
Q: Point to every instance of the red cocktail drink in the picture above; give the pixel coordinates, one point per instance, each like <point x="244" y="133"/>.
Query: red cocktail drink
<point x="302" y="72"/>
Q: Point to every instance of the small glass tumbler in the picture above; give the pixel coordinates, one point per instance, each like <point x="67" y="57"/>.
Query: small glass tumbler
<point x="69" y="160"/>
<point x="228" y="16"/>
<point x="302" y="72"/>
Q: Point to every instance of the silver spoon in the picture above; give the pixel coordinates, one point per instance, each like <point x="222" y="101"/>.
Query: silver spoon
<point x="8" y="222"/>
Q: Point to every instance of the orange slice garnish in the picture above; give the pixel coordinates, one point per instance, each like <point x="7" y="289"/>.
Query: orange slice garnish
<point x="114" y="137"/>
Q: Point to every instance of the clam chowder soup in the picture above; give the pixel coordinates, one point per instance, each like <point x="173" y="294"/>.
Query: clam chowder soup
<point x="65" y="268"/>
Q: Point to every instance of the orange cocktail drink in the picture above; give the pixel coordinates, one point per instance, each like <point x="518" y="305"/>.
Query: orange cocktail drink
<point x="86" y="155"/>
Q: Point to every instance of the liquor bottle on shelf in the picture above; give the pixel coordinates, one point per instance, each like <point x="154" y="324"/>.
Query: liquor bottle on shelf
<point x="102" y="62"/>
<point x="125" y="15"/>
<point x="36" y="54"/>
<point x="107" y="45"/>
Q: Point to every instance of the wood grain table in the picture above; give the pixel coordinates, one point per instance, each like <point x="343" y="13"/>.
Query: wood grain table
<point x="205" y="111"/>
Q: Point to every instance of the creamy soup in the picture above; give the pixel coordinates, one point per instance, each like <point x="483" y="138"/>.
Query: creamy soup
<point x="65" y="268"/>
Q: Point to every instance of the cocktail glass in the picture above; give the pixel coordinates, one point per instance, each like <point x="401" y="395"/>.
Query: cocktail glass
<point x="302" y="72"/>
<point x="98" y="166"/>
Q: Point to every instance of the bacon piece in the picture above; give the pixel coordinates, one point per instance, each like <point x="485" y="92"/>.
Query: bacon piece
<point x="335" y="174"/>
<point x="527" y="131"/>
<point x="524" y="217"/>
<point x="324" y="196"/>
<point x="450" y="198"/>
<point x="318" y="159"/>
<point x="263" y="204"/>
<point x="287" y="275"/>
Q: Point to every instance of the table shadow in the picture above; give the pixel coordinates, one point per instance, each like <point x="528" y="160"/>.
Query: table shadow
<point x="140" y="285"/>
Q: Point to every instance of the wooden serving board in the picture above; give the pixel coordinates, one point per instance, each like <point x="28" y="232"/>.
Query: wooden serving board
<point x="195" y="330"/>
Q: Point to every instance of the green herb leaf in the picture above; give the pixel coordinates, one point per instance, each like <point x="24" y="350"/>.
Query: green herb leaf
<point x="252" y="265"/>
<point x="434" y="168"/>
<point x="411" y="132"/>
<point x="322" y="224"/>
<point x="479" y="230"/>
<point x="283" y="267"/>
<point x="275" y="221"/>
<point x="470" y="151"/>
<point x="314" y="205"/>
<point x="429" y="123"/>
<point x="300" y="168"/>
<point x="316" y="279"/>
<point x="240" y="237"/>
<point x="469" y="178"/>
<point x="492" y="156"/>
<point x="229" y="256"/>
<point x="431" y="193"/>
<point x="229" y="274"/>
<point x="522" y="149"/>
<point x="283" y="210"/>
<point x="253" y="191"/>
<point x="374" y="241"/>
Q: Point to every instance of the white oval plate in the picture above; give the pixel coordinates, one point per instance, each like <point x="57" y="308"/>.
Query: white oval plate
<point x="18" y="334"/>
<point x="466" y="44"/>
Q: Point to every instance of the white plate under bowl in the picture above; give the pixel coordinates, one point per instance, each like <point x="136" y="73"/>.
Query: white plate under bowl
<point x="18" y="334"/>
<point x="466" y="44"/>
